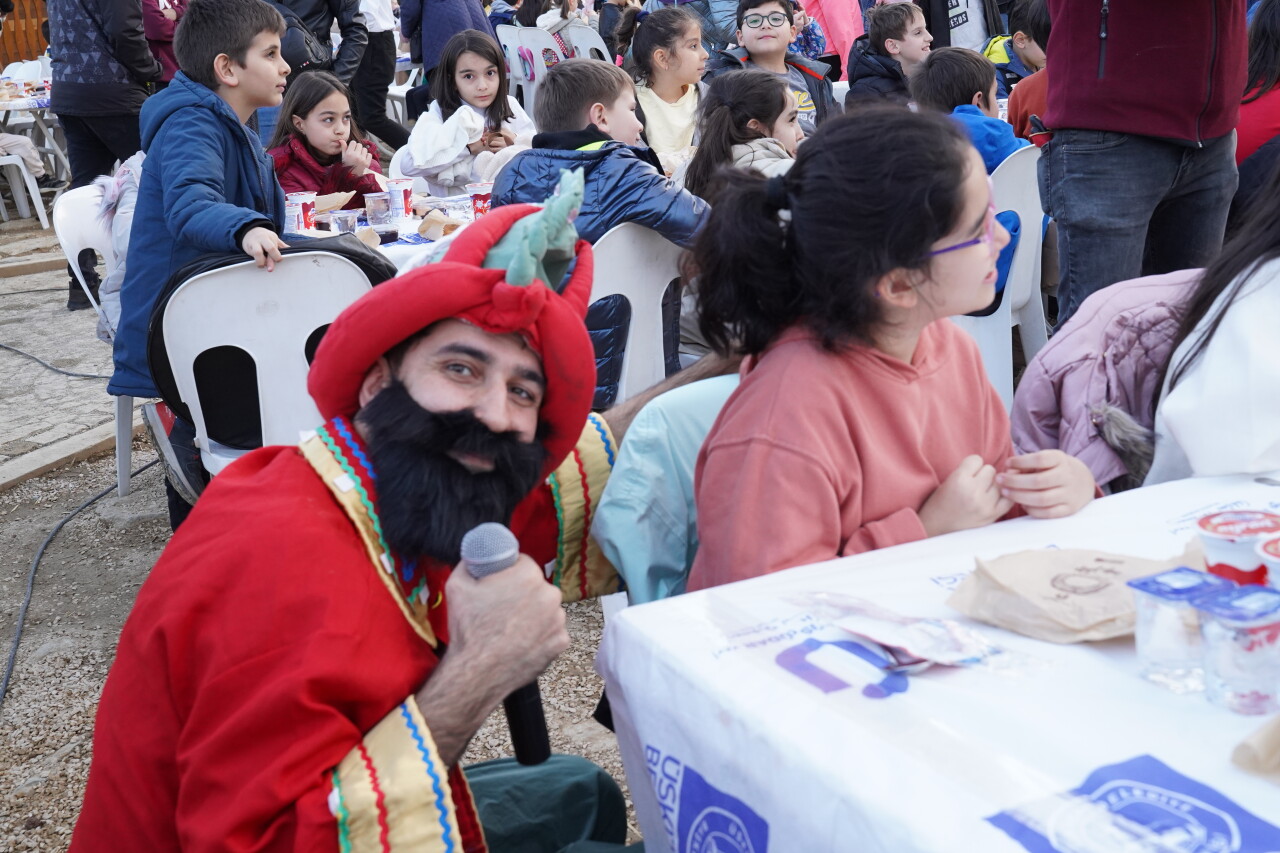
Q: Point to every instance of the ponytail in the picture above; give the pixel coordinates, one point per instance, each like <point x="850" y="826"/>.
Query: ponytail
<point x="867" y="195"/>
<point x="727" y="108"/>
<point x="662" y="30"/>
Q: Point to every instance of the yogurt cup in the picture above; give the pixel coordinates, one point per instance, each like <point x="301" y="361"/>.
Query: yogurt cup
<point x="481" y="196"/>
<point x="400" y="197"/>
<point x="1269" y="553"/>
<point x="1241" y="632"/>
<point x="308" y="203"/>
<point x="292" y="217"/>
<point x="1167" y="630"/>
<point x="1231" y="541"/>
<point x="377" y="208"/>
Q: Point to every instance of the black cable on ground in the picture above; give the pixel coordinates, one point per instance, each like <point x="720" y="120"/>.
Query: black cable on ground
<point x="41" y="361"/>
<point x="31" y="578"/>
<point x="39" y="290"/>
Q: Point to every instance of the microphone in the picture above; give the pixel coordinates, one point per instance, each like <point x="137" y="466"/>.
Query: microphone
<point x="489" y="548"/>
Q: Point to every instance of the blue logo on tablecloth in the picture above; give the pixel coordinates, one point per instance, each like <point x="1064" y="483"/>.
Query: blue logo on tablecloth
<point x="699" y="817"/>
<point x="1141" y="804"/>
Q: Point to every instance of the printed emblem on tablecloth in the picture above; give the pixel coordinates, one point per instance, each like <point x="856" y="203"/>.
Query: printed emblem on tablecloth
<point x="699" y="817"/>
<point x="1141" y="804"/>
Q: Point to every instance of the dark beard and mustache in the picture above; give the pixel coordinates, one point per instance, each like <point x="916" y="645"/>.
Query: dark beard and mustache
<point x="427" y="501"/>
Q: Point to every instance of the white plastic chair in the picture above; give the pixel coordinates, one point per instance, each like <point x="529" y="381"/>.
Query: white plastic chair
<point x="1016" y="189"/>
<point x="839" y="90"/>
<point x="78" y="226"/>
<point x="639" y="264"/>
<point x="420" y="184"/>
<point x="535" y="40"/>
<point x="270" y="316"/>
<point x="21" y="184"/>
<point x="397" y="109"/>
<point x="589" y="45"/>
<point x="518" y="82"/>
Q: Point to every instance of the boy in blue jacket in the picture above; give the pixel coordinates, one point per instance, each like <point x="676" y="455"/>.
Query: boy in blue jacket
<point x="207" y="185"/>
<point x="586" y="114"/>
<point x="586" y="110"/>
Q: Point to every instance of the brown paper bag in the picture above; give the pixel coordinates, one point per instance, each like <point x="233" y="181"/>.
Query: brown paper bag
<point x="1063" y="596"/>
<point x="332" y="201"/>
<point x="1260" y="751"/>
<point x="435" y="225"/>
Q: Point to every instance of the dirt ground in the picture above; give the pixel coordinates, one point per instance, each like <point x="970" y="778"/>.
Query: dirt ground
<point x="86" y="584"/>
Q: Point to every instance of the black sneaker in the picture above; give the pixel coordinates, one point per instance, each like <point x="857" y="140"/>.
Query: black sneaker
<point x="48" y="183"/>
<point x="77" y="299"/>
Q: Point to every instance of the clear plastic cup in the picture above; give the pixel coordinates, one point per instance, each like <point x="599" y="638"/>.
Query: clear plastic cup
<point x="344" y="221"/>
<point x="1241" y="631"/>
<point x="377" y="208"/>
<point x="1230" y="543"/>
<point x="1167" y="631"/>
<point x="459" y="207"/>
<point x="292" y="217"/>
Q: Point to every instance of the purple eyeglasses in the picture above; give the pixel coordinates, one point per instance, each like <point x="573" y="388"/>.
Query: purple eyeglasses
<point x="987" y="235"/>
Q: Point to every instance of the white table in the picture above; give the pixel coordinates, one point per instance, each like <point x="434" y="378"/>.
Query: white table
<point x="723" y="746"/>
<point x="38" y="110"/>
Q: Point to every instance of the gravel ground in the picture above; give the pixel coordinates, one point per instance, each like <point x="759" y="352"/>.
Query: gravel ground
<point x="86" y="584"/>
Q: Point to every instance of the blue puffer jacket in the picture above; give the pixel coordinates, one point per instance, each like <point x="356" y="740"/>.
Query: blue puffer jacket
<point x="206" y="181"/>
<point x="622" y="184"/>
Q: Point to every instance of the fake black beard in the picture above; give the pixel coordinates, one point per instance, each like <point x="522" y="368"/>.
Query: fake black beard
<point x="427" y="501"/>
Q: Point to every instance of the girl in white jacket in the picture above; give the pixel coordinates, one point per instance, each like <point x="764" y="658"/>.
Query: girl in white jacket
<point x="748" y="119"/>
<point x="1219" y="410"/>
<point x="473" y="127"/>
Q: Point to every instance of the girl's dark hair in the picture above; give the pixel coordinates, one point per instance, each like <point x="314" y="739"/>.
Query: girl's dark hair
<point x="527" y="14"/>
<point x="644" y="32"/>
<point x="1264" y="50"/>
<point x="1256" y="243"/>
<point x="868" y="194"/>
<point x="730" y="102"/>
<point x="306" y="91"/>
<point x="445" y="93"/>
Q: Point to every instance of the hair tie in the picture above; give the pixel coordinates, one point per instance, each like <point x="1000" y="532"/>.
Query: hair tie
<point x="730" y="104"/>
<point x="775" y="193"/>
<point x="641" y="15"/>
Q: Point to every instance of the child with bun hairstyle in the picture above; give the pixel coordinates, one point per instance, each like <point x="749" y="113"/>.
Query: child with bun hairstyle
<point x="473" y="127"/>
<point x="864" y="418"/>
<point x="748" y="120"/>
<point x="668" y="61"/>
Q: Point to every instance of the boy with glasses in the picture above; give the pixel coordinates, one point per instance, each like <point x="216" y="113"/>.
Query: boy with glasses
<point x="766" y="29"/>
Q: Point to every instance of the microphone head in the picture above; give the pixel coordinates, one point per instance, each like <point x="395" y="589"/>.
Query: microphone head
<point x="489" y="548"/>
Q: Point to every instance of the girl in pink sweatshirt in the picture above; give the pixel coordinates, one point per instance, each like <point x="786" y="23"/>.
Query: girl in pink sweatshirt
<point x="864" y="418"/>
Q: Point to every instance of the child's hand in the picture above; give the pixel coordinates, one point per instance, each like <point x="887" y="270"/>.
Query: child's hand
<point x="356" y="158"/>
<point x="1047" y="484"/>
<point x="263" y="245"/>
<point x="498" y="140"/>
<point x="481" y="144"/>
<point x="968" y="498"/>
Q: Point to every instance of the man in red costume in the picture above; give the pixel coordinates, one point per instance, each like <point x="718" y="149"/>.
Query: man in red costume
<point x="303" y="668"/>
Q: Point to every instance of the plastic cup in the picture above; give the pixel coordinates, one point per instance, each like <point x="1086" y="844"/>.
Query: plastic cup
<point x="308" y="202"/>
<point x="377" y="208"/>
<point x="1269" y="553"/>
<point x="1241" y="631"/>
<point x="400" y="197"/>
<point x="344" y="221"/>
<point x="1230" y="543"/>
<point x="481" y="196"/>
<point x="1167" y="630"/>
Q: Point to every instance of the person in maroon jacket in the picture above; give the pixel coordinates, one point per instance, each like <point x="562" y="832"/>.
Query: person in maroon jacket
<point x="1143" y="104"/>
<point x="159" y="20"/>
<point x="317" y="146"/>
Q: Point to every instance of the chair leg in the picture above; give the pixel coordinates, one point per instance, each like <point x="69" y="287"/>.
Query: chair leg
<point x="16" y="186"/>
<point x="124" y="443"/>
<point x="36" y="201"/>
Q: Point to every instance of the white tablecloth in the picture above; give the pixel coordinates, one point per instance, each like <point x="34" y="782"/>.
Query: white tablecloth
<point x="726" y="750"/>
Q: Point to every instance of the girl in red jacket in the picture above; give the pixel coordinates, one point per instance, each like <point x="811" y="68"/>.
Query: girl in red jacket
<point x="317" y="145"/>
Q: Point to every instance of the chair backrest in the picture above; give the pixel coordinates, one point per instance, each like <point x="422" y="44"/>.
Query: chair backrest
<point x="420" y="184"/>
<point x="29" y="69"/>
<point x="78" y="226"/>
<point x="588" y="43"/>
<point x="270" y="316"/>
<point x="639" y="264"/>
<point x="1016" y="188"/>
<point x="46" y="66"/>
<point x="532" y="42"/>
<point x="518" y="80"/>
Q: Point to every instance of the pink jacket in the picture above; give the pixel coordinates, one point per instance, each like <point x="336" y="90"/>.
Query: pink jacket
<point x="1109" y="353"/>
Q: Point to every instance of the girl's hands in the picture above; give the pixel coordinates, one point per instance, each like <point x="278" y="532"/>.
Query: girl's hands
<point x="968" y="498"/>
<point x="1047" y="484"/>
<point x="481" y="144"/>
<point x="499" y="139"/>
<point x="356" y="158"/>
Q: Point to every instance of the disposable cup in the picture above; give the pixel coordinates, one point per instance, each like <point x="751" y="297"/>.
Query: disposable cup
<point x="308" y="202"/>
<point x="400" y="197"/>
<point x="1231" y="543"/>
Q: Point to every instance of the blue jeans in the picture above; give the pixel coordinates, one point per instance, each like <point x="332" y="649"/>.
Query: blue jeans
<point x="1128" y="206"/>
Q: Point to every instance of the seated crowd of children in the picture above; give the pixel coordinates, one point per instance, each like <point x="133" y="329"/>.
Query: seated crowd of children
<point x="828" y="258"/>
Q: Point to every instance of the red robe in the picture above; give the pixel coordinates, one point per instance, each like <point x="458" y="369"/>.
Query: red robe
<point x="261" y="694"/>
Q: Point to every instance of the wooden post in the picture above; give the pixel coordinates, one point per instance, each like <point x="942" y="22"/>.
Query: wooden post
<point x="22" y="38"/>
